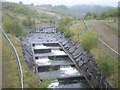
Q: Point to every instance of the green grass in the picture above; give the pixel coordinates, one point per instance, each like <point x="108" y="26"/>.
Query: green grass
<point x="45" y="83"/>
<point x="78" y="29"/>
<point x="107" y="21"/>
<point x="89" y="39"/>
<point x="11" y="74"/>
<point x="19" y="8"/>
<point x="107" y="64"/>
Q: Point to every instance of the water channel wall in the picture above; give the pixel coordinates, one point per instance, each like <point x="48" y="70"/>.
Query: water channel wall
<point x="85" y="62"/>
<point x="82" y="58"/>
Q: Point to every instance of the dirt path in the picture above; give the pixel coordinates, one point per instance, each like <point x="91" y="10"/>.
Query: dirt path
<point x="106" y="34"/>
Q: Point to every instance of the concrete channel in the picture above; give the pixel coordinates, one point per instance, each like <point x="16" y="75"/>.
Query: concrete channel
<point x="59" y="59"/>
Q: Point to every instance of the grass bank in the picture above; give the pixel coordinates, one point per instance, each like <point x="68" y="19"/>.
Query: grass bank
<point x="10" y="70"/>
<point x="107" y="64"/>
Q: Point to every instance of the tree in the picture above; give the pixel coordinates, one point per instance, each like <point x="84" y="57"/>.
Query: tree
<point x="20" y="2"/>
<point x="88" y="15"/>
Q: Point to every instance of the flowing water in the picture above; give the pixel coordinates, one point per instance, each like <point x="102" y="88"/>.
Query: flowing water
<point x="64" y="68"/>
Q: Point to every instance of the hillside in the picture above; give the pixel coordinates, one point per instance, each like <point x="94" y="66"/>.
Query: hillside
<point x="89" y="8"/>
<point x="19" y="19"/>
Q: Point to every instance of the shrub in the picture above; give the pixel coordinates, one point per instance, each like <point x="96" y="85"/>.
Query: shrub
<point x="89" y="39"/>
<point x="12" y="25"/>
<point x="64" y="23"/>
<point x="68" y="33"/>
<point x="45" y="83"/>
<point x="28" y="22"/>
<point x="107" y="65"/>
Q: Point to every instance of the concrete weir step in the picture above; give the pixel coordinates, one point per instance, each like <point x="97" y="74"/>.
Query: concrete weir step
<point x="51" y="67"/>
<point x="48" y="68"/>
<point x="42" y="51"/>
<point x="51" y="44"/>
<point x="50" y="54"/>
<point x="50" y="47"/>
<point x="70" y="79"/>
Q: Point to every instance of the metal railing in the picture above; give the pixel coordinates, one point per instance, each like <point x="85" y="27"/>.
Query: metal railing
<point x="16" y="55"/>
<point x="104" y="45"/>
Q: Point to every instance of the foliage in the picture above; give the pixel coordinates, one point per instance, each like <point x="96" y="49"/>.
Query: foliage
<point x="112" y="13"/>
<point x="9" y="68"/>
<point x="31" y="80"/>
<point x="107" y="64"/>
<point x="68" y="33"/>
<point x="28" y="22"/>
<point x="12" y="25"/>
<point x="89" y="39"/>
<point x="64" y="23"/>
<point x="19" y="8"/>
<point x="45" y="83"/>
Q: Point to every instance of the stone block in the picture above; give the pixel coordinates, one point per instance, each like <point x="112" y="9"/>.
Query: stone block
<point x="78" y="55"/>
<point x="80" y="63"/>
<point x="72" y="49"/>
<point x="83" y="68"/>
<point x="88" y="75"/>
<point x="77" y="51"/>
<point x="94" y="82"/>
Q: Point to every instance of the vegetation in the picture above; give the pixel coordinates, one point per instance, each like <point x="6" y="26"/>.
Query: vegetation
<point x="89" y="39"/>
<point x="10" y="73"/>
<point x="64" y="24"/>
<point x="68" y="33"/>
<point x="107" y="64"/>
<point x="10" y="70"/>
<point x="112" y="13"/>
<point x="45" y="83"/>
<point x="13" y="26"/>
<point x="28" y="23"/>
<point x="19" y="8"/>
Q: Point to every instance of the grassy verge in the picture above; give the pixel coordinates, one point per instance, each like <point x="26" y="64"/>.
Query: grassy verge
<point x="10" y="70"/>
<point x="107" y="64"/>
<point x="78" y="28"/>
<point x="100" y="36"/>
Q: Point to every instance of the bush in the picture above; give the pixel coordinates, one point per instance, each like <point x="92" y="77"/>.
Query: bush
<point x="89" y="39"/>
<point x="28" y="23"/>
<point x="12" y="25"/>
<point x="45" y="83"/>
<point x="107" y="65"/>
<point x="68" y="33"/>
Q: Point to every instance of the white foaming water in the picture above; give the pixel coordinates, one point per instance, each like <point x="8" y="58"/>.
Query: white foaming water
<point x="58" y="52"/>
<point x="40" y="47"/>
<point x="68" y="70"/>
<point x="54" y="84"/>
<point x="43" y="60"/>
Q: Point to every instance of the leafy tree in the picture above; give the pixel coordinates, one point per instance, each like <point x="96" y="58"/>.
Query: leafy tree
<point x="20" y="2"/>
<point x="88" y="15"/>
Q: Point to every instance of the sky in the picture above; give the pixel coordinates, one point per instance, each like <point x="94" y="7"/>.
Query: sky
<point x="69" y="2"/>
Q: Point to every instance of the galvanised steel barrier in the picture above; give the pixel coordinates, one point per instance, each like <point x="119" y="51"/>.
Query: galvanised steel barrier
<point x="104" y="45"/>
<point x="16" y="55"/>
